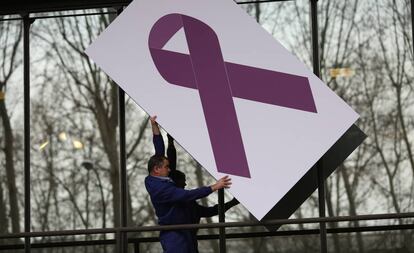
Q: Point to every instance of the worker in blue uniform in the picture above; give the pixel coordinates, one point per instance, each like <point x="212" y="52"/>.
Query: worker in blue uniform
<point x="196" y="211"/>
<point x="172" y="204"/>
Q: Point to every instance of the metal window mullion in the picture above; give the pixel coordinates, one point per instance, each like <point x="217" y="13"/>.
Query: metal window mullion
<point x="222" y="219"/>
<point x="122" y="236"/>
<point x="136" y="247"/>
<point x="26" y="111"/>
<point x="123" y="175"/>
<point x="319" y="164"/>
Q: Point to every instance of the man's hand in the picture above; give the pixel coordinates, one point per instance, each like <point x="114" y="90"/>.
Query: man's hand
<point x="153" y="119"/>
<point x="230" y="204"/>
<point x="154" y="125"/>
<point x="170" y="138"/>
<point x="233" y="202"/>
<point x="224" y="182"/>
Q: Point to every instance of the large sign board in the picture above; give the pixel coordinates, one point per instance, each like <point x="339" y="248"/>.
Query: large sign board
<point x="231" y="95"/>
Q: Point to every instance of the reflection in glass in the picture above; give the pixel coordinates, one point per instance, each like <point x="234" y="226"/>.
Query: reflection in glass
<point x="74" y="120"/>
<point x="366" y="58"/>
<point x="11" y="129"/>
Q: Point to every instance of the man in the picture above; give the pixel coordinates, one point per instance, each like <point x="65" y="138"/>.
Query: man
<point x="171" y="204"/>
<point x="195" y="211"/>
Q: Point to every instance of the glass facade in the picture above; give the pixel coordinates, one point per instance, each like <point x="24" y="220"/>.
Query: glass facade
<point x="365" y="55"/>
<point x="74" y="143"/>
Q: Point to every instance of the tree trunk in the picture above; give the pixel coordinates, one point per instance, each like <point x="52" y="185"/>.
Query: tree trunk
<point x="404" y="128"/>
<point x="10" y="171"/>
<point x="3" y="215"/>
<point x="331" y="213"/>
<point x="352" y="206"/>
<point x="304" y="239"/>
<point x="131" y="221"/>
<point x="257" y="12"/>
<point x="107" y="125"/>
<point x="51" y="180"/>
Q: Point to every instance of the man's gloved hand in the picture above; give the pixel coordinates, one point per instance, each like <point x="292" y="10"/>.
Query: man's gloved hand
<point x="170" y="138"/>
<point x="234" y="202"/>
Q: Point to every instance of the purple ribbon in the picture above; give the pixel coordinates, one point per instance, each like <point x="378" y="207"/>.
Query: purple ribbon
<point x="217" y="82"/>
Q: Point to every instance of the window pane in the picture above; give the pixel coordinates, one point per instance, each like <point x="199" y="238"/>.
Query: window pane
<point x="11" y="128"/>
<point x="366" y="57"/>
<point x="139" y="148"/>
<point x="74" y="120"/>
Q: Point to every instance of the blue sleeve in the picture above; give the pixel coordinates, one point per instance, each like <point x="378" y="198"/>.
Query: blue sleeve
<point x="171" y="193"/>
<point x="158" y="144"/>
<point x="204" y="211"/>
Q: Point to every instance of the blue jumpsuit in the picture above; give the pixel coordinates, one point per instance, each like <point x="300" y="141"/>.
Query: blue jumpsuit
<point x="185" y="212"/>
<point x="173" y="205"/>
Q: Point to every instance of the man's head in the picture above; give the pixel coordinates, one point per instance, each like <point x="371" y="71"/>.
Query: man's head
<point x="179" y="178"/>
<point x="158" y="165"/>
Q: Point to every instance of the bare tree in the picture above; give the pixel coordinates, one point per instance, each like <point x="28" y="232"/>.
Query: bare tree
<point x="87" y="87"/>
<point x="10" y="37"/>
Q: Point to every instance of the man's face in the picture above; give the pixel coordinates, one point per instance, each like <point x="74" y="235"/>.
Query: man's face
<point x="164" y="169"/>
